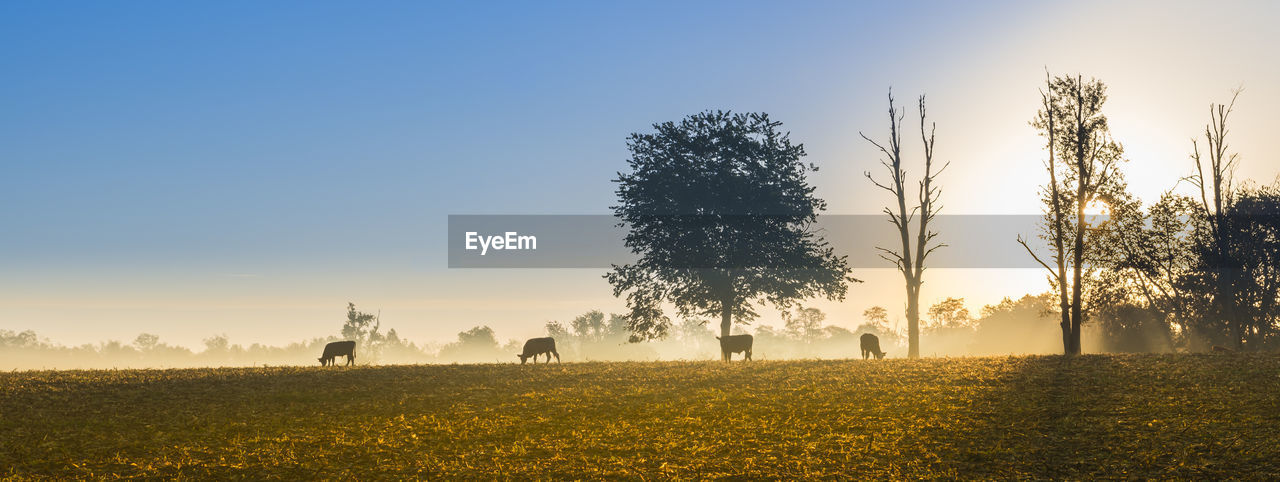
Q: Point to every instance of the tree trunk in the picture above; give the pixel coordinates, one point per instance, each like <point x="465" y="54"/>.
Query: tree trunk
<point x="726" y="314"/>
<point x="1065" y="308"/>
<point x="1082" y="183"/>
<point x="1226" y="296"/>
<point x="726" y="320"/>
<point x="1066" y="331"/>
<point x="913" y="321"/>
<point x="1059" y="233"/>
<point x="1077" y="287"/>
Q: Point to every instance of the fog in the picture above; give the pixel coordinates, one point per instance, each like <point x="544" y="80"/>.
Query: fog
<point x="1013" y="327"/>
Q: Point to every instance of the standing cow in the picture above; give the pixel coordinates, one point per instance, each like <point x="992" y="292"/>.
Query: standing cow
<point x="337" y="349"/>
<point x="871" y="346"/>
<point x="733" y="344"/>
<point x="539" y="346"/>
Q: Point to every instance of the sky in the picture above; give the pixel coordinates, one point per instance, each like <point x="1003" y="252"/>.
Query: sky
<point x="247" y="168"/>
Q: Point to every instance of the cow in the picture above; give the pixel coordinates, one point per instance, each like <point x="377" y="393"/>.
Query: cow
<point x="870" y="346"/>
<point x="337" y="349"/>
<point x="539" y="346"/>
<point x="733" y="344"/>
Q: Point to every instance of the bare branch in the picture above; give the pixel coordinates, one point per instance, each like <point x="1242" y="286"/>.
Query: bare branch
<point x="1033" y="254"/>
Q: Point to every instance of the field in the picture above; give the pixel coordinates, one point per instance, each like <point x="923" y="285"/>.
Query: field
<point x="1172" y="416"/>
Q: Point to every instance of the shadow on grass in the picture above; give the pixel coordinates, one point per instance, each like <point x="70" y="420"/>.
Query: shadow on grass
<point x="1131" y="416"/>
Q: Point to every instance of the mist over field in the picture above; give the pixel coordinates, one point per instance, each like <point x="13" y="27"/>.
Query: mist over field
<point x="1016" y="327"/>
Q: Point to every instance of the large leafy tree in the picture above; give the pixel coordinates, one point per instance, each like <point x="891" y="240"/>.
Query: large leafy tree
<point x="721" y="215"/>
<point x="1144" y="259"/>
<point x="1247" y="262"/>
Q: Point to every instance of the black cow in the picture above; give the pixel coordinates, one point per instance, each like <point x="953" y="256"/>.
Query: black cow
<point x="733" y="344"/>
<point x="539" y="346"/>
<point x="871" y="346"/>
<point x="337" y="349"/>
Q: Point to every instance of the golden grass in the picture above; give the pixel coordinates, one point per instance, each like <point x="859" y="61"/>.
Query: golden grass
<point x="1174" y="416"/>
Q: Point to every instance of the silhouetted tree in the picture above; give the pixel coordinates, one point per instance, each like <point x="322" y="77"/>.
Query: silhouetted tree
<point x="804" y="324"/>
<point x="910" y="259"/>
<point x="557" y="330"/>
<point x="694" y="330"/>
<point x="146" y="342"/>
<point x="478" y="336"/>
<point x="1072" y="120"/>
<point x="589" y="327"/>
<point x="24" y="339"/>
<point x="1216" y="196"/>
<point x="217" y="344"/>
<point x="949" y="314"/>
<point x="477" y="344"/>
<point x="591" y="335"/>
<point x="1016" y="326"/>
<point x="1145" y="258"/>
<point x="877" y="316"/>
<point x="361" y="327"/>
<point x="1054" y="229"/>
<point x="720" y="212"/>
<point x="1249" y="260"/>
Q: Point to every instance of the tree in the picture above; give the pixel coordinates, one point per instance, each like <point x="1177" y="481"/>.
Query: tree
<point x="557" y="330"/>
<point x="217" y="344"/>
<point x="589" y="327"/>
<point x="804" y="324"/>
<point x="1146" y="259"/>
<point x="24" y="339"/>
<point x="1250" y="264"/>
<point x="694" y="331"/>
<point x="949" y="314"/>
<point x="719" y="211"/>
<point x="877" y="317"/>
<point x="476" y="344"/>
<point x="926" y="208"/>
<point x="480" y="336"/>
<point x="146" y="342"/>
<point x="1071" y="119"/>
<point x="361" y="327"/>
<point x="1216" y="197"/>
<point x="1024" y="325"/>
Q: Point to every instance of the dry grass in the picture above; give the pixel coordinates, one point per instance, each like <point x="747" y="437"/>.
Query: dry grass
<point x="1181" y="416"/>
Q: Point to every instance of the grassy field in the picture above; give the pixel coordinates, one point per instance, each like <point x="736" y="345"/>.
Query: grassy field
<point x="1182" y="416"/>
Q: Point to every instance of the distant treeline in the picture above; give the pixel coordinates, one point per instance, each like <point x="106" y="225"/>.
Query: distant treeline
<point x="1026" y="325"/>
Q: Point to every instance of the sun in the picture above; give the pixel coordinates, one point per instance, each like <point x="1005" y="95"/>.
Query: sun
<point x="1097" y="208"/>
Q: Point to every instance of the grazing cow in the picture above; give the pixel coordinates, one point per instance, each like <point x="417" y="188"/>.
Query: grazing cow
<point x="1221" y="349"/>
<point x="337" y="349"/>
<point x="733" y="344"/>
<point x="539" y="346"/>
<point x="870" y="346"/>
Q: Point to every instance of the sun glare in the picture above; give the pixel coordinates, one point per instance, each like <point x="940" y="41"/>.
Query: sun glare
<point x="1097" y="208"/>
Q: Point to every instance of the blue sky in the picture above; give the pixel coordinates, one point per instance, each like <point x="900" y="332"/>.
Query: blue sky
<point x="188" y="168"/>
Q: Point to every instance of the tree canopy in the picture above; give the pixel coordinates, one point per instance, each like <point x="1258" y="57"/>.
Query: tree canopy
<point x="721" y="214"/>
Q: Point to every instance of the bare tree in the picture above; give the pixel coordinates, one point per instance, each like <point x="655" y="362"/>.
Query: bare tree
<point x="1218" y="184"/>
<point x="924" y="210"/>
